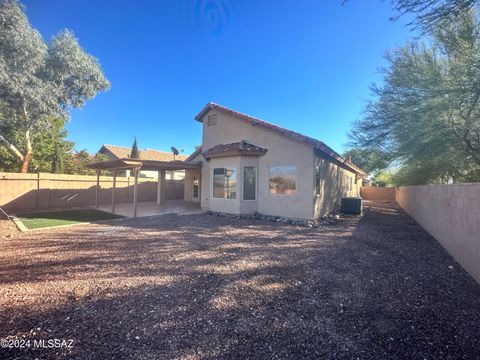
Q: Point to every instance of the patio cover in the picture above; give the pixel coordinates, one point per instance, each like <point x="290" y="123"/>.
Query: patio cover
<point x="120" y="164"/>
<point x="136" y="165"/>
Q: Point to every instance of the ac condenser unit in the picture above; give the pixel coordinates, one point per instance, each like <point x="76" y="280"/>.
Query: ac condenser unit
<point x="352" y="205"/>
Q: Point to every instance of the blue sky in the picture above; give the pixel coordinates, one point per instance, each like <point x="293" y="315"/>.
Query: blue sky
<point x="305" y="65"/>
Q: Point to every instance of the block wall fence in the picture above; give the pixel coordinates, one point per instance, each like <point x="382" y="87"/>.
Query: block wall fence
<point x="377" y="193"/>
<point x="26" y="192"/>
<point x="450" y="213"/>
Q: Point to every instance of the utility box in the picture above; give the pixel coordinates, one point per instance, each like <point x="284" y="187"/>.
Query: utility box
<point x="352" y="205"/>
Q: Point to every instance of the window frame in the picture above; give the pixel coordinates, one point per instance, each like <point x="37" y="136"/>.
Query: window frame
<point x="226" y="167"/>
<point x="255" y="183"/>
<point x="296" y="180"/>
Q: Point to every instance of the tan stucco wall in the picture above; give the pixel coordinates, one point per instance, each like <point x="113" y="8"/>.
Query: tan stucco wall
<point x="451" y="214"/>
<point x="23" y="192"/>
<point x="237" y="205"/>
<point x="377" y="193"/>
<point x="188" y="194"/>
<point x="282" y="151"/>
<point x="333" y="186"/>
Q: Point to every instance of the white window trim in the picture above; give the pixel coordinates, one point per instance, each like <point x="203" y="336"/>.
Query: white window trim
<point x="213" y="178"/>
<point x="256" y="183"/>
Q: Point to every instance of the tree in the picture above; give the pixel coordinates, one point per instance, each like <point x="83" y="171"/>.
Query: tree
<point x="385" y="178"/>
<point x="134" y="153"/>
<point x="370" y="160"/>
<point x="57" y="163"/>
<point x="430" y="13"/>
<point x="39" y="82"/>
<point x="50" y="148"/>
<point x="426" y="116"/>
<point x="374" y="162"/>
<point x="76" y="162"/>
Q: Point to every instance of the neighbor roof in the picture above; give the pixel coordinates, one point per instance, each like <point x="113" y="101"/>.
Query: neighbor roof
<point x="317" y="144"/>
<point x="122" y="152"/>
<point x="237" y="148"/>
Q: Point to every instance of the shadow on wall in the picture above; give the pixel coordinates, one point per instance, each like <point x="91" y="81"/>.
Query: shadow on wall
<point x="184" y="286"/>
<point x="332" y="189"/>
<point x="44" y="199"/>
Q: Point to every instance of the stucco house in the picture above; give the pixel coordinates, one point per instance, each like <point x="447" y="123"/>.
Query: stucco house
<point x="114" y="152"/>
<point x="249" y="165"/>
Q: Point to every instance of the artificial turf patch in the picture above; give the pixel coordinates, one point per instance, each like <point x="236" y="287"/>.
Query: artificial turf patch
<point x="39" y="220"/>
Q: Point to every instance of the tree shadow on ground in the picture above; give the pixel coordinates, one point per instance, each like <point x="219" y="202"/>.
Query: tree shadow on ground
<point x="207" y="287"/>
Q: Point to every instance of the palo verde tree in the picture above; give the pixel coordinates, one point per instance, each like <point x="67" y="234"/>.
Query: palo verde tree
<point x="431" y="13"/>
<point x="39" y="81"/>
<point x="426" y="115"/>
<point x="370" y="160"/>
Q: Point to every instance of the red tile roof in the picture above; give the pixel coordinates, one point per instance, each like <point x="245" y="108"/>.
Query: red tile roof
<point x="198" y="150"/>
<point x="121" y="152"/>
<point x="238" y="148"/>
<point x="317" y="144"/>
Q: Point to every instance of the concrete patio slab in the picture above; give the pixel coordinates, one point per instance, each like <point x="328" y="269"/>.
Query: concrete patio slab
<point x="149" y="208"/>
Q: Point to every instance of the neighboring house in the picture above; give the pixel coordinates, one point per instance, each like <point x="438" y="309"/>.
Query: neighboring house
<point x="119" y="152"/>
<point x="249" y="165"/>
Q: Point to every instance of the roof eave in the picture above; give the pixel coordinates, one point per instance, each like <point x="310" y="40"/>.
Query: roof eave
<point x="314" y="143"/>
<point x="120" y="164"/>
<point x="203" y="112"/>
<point x="194" y="154"/>
<point x="235" y="153"/>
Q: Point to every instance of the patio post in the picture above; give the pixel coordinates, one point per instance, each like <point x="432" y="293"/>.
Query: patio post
<point x="161" y="187"/>
<point x="97" y="189"/>
<point x="113" y="189"/>
<point x="135" y="186"/>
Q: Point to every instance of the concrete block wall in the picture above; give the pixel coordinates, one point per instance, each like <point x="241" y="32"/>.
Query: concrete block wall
<point x="377" y="193"/>
<point x="451" y="214"/>
<point x="24" y="192"/>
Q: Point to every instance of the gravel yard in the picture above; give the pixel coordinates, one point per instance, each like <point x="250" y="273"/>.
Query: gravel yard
<point x="208" y="287"/>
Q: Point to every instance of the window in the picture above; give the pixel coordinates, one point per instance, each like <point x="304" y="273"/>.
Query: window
<point x="195" y="187"/>
<point x="212" y="120"/>
<point x="283" y="180"/>
<point x="249" y="183"/>
<point x="224" y="183"/>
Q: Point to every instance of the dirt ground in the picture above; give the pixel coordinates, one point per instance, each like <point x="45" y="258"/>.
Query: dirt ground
<point x="208" y="287"/>
<point x="7" y="229"/>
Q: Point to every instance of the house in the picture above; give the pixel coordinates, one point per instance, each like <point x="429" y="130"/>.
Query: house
<point x="249" y="165"/>
<point x="114" y="152"/>
<point x="245" y="165"/>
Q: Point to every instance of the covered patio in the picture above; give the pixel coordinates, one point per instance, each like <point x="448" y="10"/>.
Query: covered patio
<point x="150" y="208"/>
<point x="136" y="208"/>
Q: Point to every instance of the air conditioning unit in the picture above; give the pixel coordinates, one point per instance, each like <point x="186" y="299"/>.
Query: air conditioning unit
<point x="352" y="205"/>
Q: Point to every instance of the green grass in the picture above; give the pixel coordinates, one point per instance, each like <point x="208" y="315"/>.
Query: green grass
<point x="63" y="217"/>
